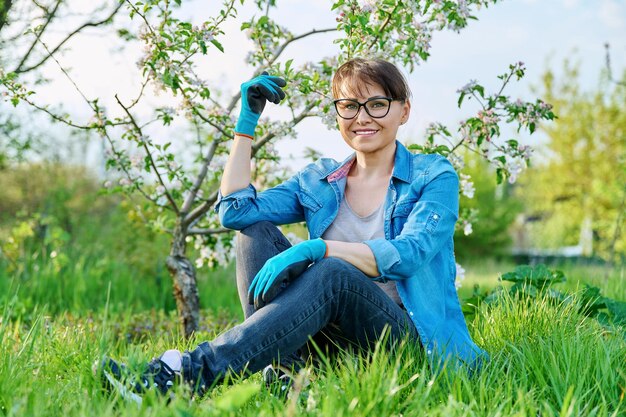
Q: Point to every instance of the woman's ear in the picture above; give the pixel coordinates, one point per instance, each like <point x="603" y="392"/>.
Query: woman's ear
<point x="406" y="111"/>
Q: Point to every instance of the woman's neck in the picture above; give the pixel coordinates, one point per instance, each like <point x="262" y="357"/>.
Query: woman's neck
<point x="374" y="165"/>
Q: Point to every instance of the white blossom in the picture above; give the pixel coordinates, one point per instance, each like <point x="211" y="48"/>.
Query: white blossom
<point x="526" y="151"/>
<point x="460" y="276"/>
<point x="467" y="228"/>
<point x="161" y="201"/>
<point x="368" y="6"/>
<point x="514" y="167"/>
<point x="457" y="161"/>
<point x="136" y="161"/>
<point x="467" y="88"/>
<point x="467" y="186"/>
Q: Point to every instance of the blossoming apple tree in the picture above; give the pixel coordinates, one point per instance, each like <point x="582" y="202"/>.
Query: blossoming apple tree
<point x="180" y="194"/>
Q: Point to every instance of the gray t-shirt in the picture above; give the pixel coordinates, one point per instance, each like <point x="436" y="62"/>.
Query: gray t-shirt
<point x="350" y="227"/>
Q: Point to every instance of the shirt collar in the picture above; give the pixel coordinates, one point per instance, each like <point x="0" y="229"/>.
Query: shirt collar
<point x="401" y="168"/>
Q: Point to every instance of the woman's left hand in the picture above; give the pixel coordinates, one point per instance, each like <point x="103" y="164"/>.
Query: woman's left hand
<point x="283" y="268"/>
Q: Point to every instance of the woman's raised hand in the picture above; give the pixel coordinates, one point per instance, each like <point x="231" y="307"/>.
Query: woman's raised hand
<point x="254" y="94"/>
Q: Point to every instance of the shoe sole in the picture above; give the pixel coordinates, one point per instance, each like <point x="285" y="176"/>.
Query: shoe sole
<point x="124" y="392"/>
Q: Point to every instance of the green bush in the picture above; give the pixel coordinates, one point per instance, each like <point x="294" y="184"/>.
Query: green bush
<point x="496" y="210"/>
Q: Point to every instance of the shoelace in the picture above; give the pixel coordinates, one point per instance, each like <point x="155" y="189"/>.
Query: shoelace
<point x="159" y="374"/>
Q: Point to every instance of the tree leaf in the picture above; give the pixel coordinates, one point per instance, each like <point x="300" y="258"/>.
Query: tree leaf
<point x="217" y="45"/>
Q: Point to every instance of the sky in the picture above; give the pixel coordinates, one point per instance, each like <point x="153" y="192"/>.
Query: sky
<point x="540" y="33"/>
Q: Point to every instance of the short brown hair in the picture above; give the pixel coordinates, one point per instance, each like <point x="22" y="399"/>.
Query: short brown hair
<point x="357" y="72"/>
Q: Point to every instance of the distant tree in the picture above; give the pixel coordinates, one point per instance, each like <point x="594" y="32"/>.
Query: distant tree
<point x="583" y="177"/>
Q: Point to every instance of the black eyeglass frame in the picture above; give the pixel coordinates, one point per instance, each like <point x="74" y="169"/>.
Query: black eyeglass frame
<point x="389" y="99"/>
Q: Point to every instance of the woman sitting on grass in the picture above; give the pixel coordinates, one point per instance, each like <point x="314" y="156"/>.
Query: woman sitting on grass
<point x="380" y="255"/>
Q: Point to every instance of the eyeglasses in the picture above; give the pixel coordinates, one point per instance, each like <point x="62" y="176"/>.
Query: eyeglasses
<point x="376" y="107"/>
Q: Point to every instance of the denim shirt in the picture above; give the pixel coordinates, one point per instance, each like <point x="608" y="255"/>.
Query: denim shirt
<point x="421" y="209"/>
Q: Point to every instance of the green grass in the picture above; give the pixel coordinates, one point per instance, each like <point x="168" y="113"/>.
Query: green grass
<point x="486" y="272"/>
<point x="546" y="359"/>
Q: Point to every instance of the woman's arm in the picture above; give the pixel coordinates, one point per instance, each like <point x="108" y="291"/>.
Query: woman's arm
<point x="237" y="170"/>
<point x="254" y="94"/>
<point x="358" y="254"/>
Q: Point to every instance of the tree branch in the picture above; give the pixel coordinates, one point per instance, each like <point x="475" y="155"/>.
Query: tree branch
<point x="608" y="66"/>
<point x="201" y="209"/>
<point x="383" y="26"/>
<point x="259" y="143"/>
<point x="277" y="53"/>
<point x="201" y="176"/>
<point x="205" y="232"/>
<point x="206" y="205"/>
<point x="149" y="154"/>
<point x="123" y="168"/>
<point x="38" y="36"/>
<point x="5" y="6"/>
<point x="204" y="118"/>
<point x="67" y="38"/>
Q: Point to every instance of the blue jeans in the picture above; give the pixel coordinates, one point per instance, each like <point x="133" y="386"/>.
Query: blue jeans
<point x="332" y="303"/>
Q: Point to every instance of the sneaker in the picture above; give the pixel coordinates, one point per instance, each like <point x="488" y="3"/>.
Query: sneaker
<point x="117" y="377"/>
<point x="278" y="380"/>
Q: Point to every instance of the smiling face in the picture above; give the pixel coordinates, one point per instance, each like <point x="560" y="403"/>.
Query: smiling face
<point x="366" y="134"/>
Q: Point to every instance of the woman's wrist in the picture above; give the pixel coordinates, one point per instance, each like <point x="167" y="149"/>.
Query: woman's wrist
<point x="244" y="135"/>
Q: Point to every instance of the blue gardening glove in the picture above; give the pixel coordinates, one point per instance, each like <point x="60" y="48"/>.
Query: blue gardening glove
<point x="254" y="94"/>
<point x="283" y="268"/>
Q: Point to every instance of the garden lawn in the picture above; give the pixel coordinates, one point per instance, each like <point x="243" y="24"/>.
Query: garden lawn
<point x="546" y="360"/>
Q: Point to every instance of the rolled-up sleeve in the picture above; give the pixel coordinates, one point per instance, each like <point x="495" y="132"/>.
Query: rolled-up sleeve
<point x="429" y="226"/>
<point x="279" y="205"/>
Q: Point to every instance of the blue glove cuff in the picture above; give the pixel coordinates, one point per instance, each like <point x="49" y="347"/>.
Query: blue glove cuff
<point x="318" y="248"/>
<point x="246" y="124"/>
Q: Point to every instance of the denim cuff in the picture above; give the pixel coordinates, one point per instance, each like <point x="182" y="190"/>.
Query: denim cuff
<point x="195" y="370"/>
<point x="387" y="256"/>
<point x="248" y="192"/>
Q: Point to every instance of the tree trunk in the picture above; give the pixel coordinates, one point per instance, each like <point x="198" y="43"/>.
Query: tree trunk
<point x="5" y="5"/>
<point x="183" y="275"/>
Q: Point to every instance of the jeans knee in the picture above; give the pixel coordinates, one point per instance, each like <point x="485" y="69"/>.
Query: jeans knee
<point x="254" y="232"/>
<point x="332" y="270"/>
<point x="258" y="236"/>
<point x="259" y="229"/>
